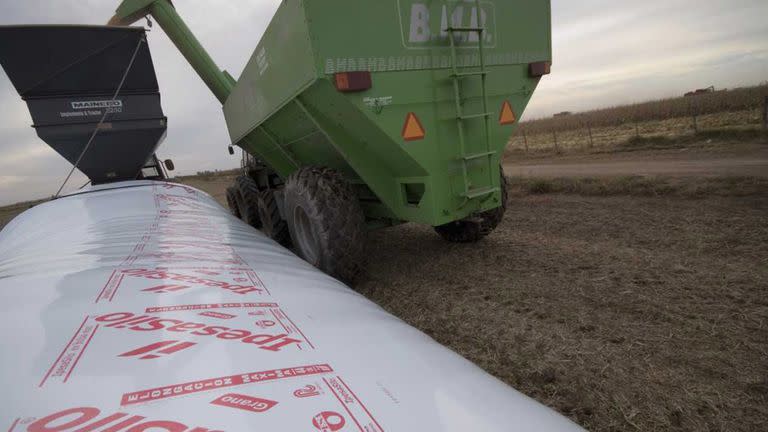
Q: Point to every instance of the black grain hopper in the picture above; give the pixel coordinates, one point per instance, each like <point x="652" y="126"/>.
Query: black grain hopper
<point x="69" y="75"/>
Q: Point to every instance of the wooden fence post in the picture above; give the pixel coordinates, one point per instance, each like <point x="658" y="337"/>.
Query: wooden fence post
<point x="589" y="129"/>
<point x="765" y="113"/>
<point x="695" y="124"/>
<point x="525" y="140"/>
<point x="693" y="115"/>
<point x="554" y="136"/>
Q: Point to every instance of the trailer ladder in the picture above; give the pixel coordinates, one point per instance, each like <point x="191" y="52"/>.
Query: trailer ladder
<point x="456" y="76"/>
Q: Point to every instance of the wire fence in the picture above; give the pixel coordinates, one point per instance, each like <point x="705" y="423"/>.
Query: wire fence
<point x="733" y="110"/>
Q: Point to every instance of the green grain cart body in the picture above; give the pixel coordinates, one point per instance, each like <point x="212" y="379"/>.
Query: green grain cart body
<point x="423" y="141"/>
<point x="285" y="108"/>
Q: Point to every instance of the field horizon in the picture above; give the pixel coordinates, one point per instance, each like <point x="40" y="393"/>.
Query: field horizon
<point x="736" y="109"/>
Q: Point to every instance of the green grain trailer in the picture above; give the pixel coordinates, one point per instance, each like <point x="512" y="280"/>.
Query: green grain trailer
<point x="369" y="113"/>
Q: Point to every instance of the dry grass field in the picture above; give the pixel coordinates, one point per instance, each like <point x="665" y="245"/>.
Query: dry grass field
<point x="738" y="109"/>
<point x="9" y="212"/>
<point x="607" y="137"/>
<point x="625" y="302"/>
<point x="622" y="312"/>
<point x="215" y="184"/>
<point x="735" y="100"/>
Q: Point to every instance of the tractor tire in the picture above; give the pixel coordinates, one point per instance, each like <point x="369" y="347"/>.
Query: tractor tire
<point x="326" y="222"/>
<point x="232" y="194"/>
<point x="272" y="224"/>
<point x="248" y="201"/>
<point x="475" y="228"/>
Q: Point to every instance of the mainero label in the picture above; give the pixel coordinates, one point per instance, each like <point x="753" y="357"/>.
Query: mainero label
<point x="97" y="104"/>
<point x="424" y="23"/>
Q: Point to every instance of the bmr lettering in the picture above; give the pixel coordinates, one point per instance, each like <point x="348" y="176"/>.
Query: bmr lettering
<point x="429" y="23"/>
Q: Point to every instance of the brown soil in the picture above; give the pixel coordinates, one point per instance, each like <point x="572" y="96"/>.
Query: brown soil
<point x="216" y="186"/>
<point x="7" y="213"/>
<point x="622" y="313"/>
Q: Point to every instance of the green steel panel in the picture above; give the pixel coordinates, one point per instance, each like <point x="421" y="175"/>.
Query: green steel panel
<point x="397" y="35"/>
<point x="281" y="66"/>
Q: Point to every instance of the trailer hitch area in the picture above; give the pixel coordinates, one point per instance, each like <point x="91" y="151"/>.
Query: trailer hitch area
<point x="473" y="219"/>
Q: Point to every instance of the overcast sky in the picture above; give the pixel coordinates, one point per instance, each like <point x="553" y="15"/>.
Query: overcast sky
<point x="606" y="52"/>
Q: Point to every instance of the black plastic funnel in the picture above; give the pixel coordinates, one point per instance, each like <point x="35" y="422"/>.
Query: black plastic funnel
<point x="68" y="76"/>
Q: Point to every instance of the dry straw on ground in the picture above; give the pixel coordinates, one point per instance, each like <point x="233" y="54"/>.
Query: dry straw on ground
<point x="623" y="313"/>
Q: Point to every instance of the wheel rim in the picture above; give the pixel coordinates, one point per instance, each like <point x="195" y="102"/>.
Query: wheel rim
<point x="307" y="242"/>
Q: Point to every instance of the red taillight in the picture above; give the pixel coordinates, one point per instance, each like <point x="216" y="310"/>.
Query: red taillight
<point x="353" y="81"/>
<point x="539" y="69"/>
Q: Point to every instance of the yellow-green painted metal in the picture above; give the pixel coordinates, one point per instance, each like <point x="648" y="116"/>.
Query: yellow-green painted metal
<point x="451" y="63"/>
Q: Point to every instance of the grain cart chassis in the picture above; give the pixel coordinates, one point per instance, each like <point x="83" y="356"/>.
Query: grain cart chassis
<point x="363" y="114"/>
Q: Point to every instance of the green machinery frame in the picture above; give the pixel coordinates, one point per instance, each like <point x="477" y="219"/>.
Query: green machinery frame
<point x="452" y="63"/>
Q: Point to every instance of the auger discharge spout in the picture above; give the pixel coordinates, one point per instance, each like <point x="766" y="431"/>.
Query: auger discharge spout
<point x="164" y="13"/>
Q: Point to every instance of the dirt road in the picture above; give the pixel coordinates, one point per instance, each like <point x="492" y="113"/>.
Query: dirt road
<point x="681" y="166"/>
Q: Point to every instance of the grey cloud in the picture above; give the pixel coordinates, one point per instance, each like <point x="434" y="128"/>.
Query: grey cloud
<point x="615" y="52"/>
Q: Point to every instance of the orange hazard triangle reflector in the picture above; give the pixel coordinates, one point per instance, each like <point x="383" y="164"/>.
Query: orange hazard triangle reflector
<point x="507" y="116"/>
<point x="412" y="129"/>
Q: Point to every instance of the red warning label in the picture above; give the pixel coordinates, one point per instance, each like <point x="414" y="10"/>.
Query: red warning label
<point x="218" y="315"/>
<point x="244" y="402"/>
<point x="329" y="421"/>
<point x="357" y="411"/>
<point x="222" y="382"/>
<point x="65" y="363"/>
<point x="208" y="306"/>
<point x="164" y="281"/>
<point x="90" y="419"/>
<point x="145" y="324"/>
<point x="158" y="349"/>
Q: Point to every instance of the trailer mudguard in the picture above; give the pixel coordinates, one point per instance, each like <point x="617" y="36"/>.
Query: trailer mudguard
<point x="141" y="305"/>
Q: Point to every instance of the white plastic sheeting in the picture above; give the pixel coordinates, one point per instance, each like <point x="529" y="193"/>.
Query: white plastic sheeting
<point x="146" y="306"/>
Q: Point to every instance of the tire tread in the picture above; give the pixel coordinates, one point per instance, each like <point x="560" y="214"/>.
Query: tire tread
<point x="333" y="207"/>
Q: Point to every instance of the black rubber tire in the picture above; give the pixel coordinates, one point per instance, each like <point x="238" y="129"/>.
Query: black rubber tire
<point x="272" y="224"/>
<point x="248" y="201"/>
<point x="473" y="229"/>
<point x="232" y="194"/>
<point x="326" y="222"/>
